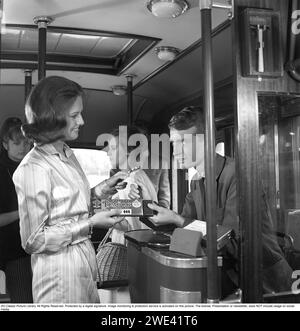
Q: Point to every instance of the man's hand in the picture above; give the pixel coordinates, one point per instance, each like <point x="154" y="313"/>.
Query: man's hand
<point x="165" y="216"/>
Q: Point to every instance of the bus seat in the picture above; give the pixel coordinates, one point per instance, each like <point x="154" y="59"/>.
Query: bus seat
<point x="292" y="226"/>
<point x="290" y="252"/>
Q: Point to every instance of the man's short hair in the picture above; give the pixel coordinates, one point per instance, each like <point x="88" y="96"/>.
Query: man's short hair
<point x="187" y="118"/>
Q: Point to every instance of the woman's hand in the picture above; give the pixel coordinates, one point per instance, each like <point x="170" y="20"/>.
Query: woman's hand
<point x="111" y="185"/>
<point x="165" y="216"/>
<point x="116" y="182"/>
<point x="134" y="192"/>
<point x="106" y="219"/>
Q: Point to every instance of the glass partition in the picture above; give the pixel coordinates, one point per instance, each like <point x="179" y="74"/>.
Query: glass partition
<point x="279" y="143"/>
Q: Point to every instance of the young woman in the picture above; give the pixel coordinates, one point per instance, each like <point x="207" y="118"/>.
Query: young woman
<point x="15" y="262"/>
<point x="54" y="197"/>
<point x="120" y="158"/>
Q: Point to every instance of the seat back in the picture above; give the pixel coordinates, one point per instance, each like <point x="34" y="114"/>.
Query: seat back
<point x="2" y="282"/>
<point x="292" y="226"/>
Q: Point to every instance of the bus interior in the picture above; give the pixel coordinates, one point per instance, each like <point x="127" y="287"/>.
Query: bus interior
<point x="139" y="63"/>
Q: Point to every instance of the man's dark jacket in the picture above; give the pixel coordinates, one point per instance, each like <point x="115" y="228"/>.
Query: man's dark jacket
<point x="276" y="271"/>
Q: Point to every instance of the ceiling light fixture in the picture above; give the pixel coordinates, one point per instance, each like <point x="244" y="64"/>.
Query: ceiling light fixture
<point x="166" y="53"/>
<point x="167" y="8"/>
<point x="119" y="90"/>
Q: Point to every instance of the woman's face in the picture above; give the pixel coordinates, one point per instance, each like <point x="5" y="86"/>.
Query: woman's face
<point x="74" y="120"/>
<point x="117" y="154"/>
<point x="17" y="148"/>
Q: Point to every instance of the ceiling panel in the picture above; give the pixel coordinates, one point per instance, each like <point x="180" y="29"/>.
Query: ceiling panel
<point x="76" y="44"/>
<point x="29" y="40"/>
<point x="182" y="79"/>
<point x="74" y="49"/>
<point x="52" y="41"/>
<point x="110" y="47"/>
<point x="26" y="39"/>
<point x="128" y="16"/>
<point x="10" y="39"/>
<point x="15" y="39"/>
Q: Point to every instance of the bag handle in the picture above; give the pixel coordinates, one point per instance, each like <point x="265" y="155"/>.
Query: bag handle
<point x="104" y="240"/>
<point x="108" y="233"/>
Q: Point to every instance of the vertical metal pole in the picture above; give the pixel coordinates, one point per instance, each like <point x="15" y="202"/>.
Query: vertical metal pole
<point x="28" y="82"/>
<point x="42" y="23"/>
<point x="42" y="50"/>
<point x="1" y="17"/>
<point x="129" y="100"/>
<point x="213" y="295"/>
<point x="1" y="10"/>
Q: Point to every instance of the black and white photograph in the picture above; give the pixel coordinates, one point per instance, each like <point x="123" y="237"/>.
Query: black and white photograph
<point x="149" y="158"/>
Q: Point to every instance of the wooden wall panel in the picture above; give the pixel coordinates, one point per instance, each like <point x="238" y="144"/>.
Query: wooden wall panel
<point x="247" y="150"/>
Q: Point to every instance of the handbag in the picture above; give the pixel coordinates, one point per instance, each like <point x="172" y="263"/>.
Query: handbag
<point x="111" y="261"/>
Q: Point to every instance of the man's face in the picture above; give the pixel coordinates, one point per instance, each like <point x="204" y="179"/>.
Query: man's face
<point x="188" y="147"/>
<point x="74" y="120"/>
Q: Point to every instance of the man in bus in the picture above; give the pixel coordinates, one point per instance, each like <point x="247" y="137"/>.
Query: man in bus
<point x="187" y="132"/>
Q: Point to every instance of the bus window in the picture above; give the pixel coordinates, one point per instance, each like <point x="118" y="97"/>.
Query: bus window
<point x="96" y="166"/>
<point x="279" y="164"/>
<point x="220" y="148"/>
<point x="94" y="163"/>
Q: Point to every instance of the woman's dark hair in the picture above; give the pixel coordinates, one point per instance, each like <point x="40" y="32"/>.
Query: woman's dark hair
<point x="47" y="106"/>
<point x="187" y="118"/>
<point x="10" y="130"/>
